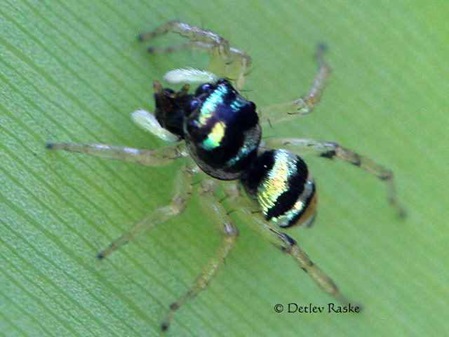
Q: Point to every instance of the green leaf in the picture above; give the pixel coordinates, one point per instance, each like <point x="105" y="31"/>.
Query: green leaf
<point x="72" y="71"/>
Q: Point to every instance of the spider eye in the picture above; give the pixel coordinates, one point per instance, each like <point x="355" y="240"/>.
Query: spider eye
<point x="203" y="89"/>
<point x="194" y="104"/>
<point x="222" y="81"/>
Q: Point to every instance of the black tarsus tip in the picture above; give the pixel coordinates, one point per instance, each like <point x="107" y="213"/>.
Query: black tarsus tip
<point x="150" y="49"/>
<point x="322" y="47"/>
<point x="329" y="154"/>
<point x="174" y="306"/>
<point x="165" y="326"/>
<point x="140" y="37"/>
<point x="49" y="145"/>
<point x="402" y="212"/>
<point x="100" y="256"/>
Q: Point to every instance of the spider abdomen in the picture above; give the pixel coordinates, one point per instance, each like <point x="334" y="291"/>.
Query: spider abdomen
<point x="283" y="187"/>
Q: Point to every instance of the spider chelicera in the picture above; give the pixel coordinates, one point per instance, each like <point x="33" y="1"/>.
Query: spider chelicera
<point x="221" y="131"/>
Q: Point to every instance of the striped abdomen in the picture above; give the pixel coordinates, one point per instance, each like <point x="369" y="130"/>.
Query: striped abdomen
<point x="283" y="187"/>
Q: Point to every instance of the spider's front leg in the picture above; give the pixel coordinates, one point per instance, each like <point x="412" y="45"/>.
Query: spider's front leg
<point x="229" y="232"/>
<point x="304" y="105"/>
<point x="225" y="60"/>
<point x="333" y="150"/>
<point x="158" y="157"/>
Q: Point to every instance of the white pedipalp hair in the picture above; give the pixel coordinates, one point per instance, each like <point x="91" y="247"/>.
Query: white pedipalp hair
<point x="147" y="121"/>
<point x="190" y="75"/>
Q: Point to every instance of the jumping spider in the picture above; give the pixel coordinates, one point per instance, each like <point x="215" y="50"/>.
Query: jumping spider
<point x="221" y="131"/>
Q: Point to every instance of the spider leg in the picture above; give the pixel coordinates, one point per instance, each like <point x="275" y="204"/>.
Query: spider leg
<point x="225" y="60"/>
<point x="288" y="245"/>
<point x="333" y="150"/>
<point x="182" y="193"/>
<point x="229" y="232"/>
<point x="169" y="49"/>
<point x="304" y="105"/>
<point x="156" y="157"/>
<point x="284" y="242"/>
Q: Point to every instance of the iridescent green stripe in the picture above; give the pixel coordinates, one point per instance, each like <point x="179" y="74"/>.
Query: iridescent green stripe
<point x="276" y="182"/>
<point x="210" y="104"/>
<point x="214" y="137"/>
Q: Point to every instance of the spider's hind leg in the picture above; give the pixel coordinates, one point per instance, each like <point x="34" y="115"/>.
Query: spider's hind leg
<point x="289" y="246"/>
<point x="333" y="150"/>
